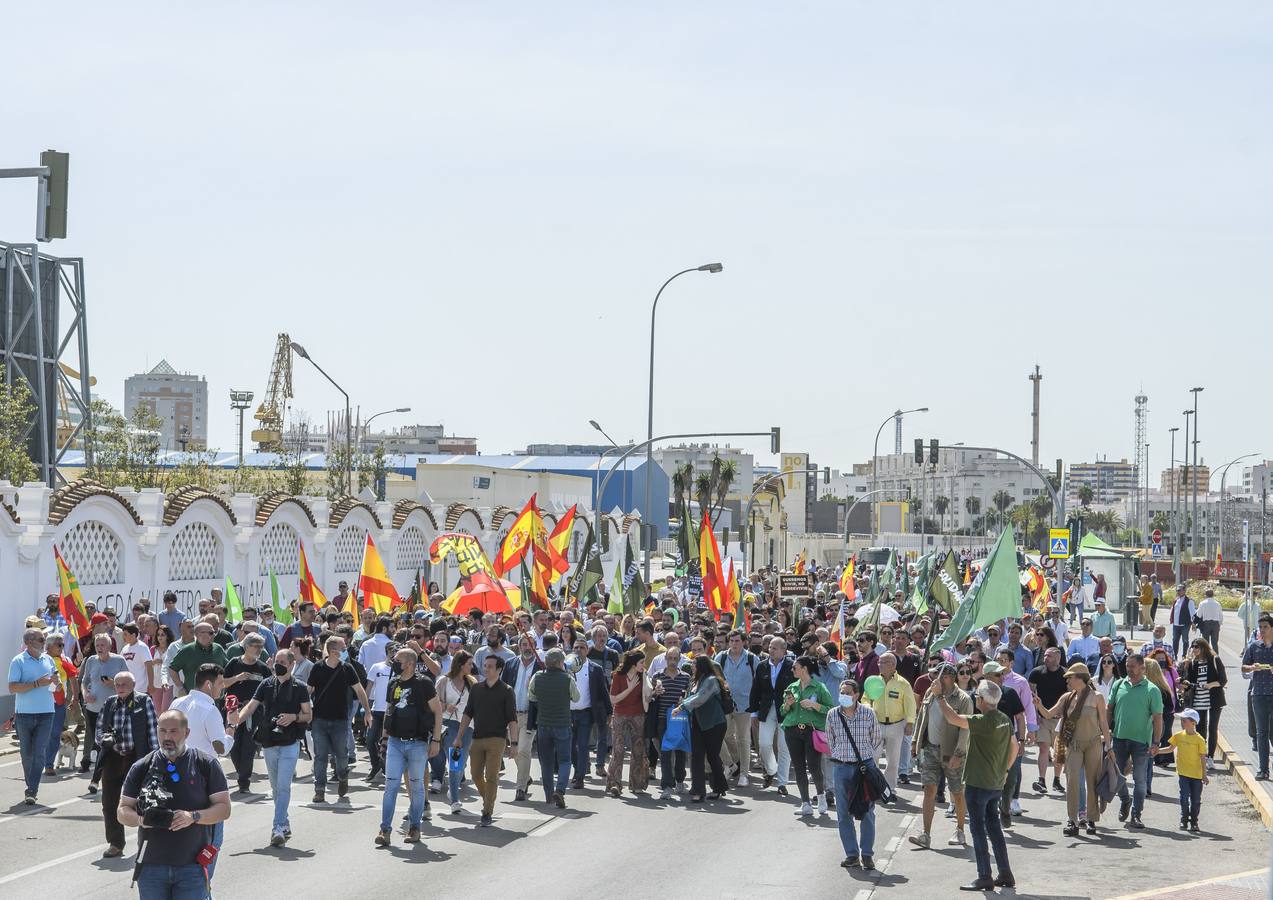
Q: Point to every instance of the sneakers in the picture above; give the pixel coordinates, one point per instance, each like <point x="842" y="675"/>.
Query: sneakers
<point x="1193" y="827"/>
<point x="1091" y="827"/>
<point x="782" y="791"/>
<point x="428" y="813"/>
<point x="1016" y="808"/>
<point x="742" y="781"/>
<point x="805" y="809"/>
<point x="849" y="862"/>
<point x="665" y="794"/>
<point x="830" y="800"/>
<point x="413" y="835"/>
<point x="868" y="863"/>
<point x="112" y="851"/>
<point x="1184" y="824"/>
<point x="822" y="804"/>
<point x="601" y="771"/>
<point x="950" y="811"/>
<point x="769" y="779"/>
<point x="1056" y="785"/>
<point x="1071" y="829"/>
<point x="1136" y="823"/>
<point x="520" y="797"/>
<point x="50" y="772"/>
<point x="903" y="778"/>
<point x="923" y="840"/>
<point x="456" y="809"/>
<point x="383" y="837"/>
<point x="28" y="798"/>
<point x="277" y="839"/>
<point x="319" y="797"/>
<point x="958" y="839"/>
<point x="485" y="821"/>
<point x="342" y="788"/>
<point x="1040" y="786"/>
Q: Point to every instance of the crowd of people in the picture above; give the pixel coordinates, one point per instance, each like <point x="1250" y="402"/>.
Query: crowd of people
<point x="798" y="696"/>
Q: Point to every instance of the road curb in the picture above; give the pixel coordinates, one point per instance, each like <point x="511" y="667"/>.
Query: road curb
<point x="1242" y="771"/>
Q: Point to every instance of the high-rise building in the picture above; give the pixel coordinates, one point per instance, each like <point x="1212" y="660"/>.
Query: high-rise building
<point x="1199" y="475"/>
<point x="1256" y="479"/>
<point x="180" y="400"/>
<point x="1110" y="481"/>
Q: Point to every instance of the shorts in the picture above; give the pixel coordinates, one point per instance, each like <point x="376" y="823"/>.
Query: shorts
<point x="1047" y="728"/>
<point x="931" y="769"/>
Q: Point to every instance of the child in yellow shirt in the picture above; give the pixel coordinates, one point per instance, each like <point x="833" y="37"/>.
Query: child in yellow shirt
<point x="1190" y="748"/>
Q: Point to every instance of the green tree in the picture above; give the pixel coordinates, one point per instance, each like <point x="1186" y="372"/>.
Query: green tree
<point x="125" y="452"/>
<point x="973" y="505"/>
<point x="1085" y="495"/>
<point x="1002" y="500"/>
<point x="17" y="412"/>
<point x="940" y="505"/>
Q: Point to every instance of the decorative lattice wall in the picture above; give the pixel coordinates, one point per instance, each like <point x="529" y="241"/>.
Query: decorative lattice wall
<point x="347" y="551"/>
<point x="195" y="554"/>
<point x="280" y="550"/>
<point x="93" y="553"/>
<point x="412" y="552"/>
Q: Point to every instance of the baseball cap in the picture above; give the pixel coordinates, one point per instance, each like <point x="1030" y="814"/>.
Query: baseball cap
<point x="943" y="670"/>
<point x="991" y="668"/>
<point x="1100" y="601"/>
<point x="456" y="639"/>
<point x="1189" y="714"/>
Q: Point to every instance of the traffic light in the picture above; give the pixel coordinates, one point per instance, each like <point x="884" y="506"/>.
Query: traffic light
<point x="826" y="474"/>
<point x="55" y="198"/>
<point x="919" y="451"/>
<point x="932" y="451"/>
<point x="775" y="440"/>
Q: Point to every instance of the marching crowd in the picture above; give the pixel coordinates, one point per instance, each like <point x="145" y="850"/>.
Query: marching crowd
<point x="793" y="698"/>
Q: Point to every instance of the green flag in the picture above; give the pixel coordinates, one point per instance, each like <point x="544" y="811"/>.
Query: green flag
<point x="947" y="586"/>
<point x="233" y="608"/>
<point x="889" y="579"/>
<point x="615" y="604"/>
<point x="919" y="596"/>
<point x="588" y="573"/>
<point x="633" y="583"/>
<point x="282" y="611"/>
<point x="993" y="595"/>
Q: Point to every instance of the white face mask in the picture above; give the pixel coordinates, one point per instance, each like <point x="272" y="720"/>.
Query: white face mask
<point x="847" y="701"/>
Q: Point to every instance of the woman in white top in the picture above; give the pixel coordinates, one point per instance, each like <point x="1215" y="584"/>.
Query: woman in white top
<point x="157" y="667"/>
<point x="453" y="694"/>
<point x="1107" y="675"/>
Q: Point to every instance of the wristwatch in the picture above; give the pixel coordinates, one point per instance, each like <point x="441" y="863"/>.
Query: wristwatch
<point x="195" y="816"/>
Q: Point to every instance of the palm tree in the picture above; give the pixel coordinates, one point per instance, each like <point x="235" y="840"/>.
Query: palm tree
<point x="973" y="505"/>
<point x="940" y="505"/>
<point x="1002" y="500"/>
<point x="1085" y="494"/>
<point x="725" y="473"/>
<point x="703" y="493"/>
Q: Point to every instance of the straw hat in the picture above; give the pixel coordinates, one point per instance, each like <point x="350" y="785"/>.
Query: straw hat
<point x="1080" y="670"/>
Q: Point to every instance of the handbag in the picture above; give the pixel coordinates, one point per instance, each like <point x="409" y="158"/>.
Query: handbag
<point x="820" y="741"/>
<point x="677" y="735"/>
<point x="871" y="784"/>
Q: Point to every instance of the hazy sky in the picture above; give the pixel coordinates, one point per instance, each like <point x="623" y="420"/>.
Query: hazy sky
<point x="467" y="209"/>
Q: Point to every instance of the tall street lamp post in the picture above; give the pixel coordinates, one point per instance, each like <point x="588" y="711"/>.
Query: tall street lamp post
<point x="649" y="446"/>
<point x="875" y="452"/>
<point x="1194" y="539"/>
<point x="349" y="454"/>
<point x="366" y="426"/>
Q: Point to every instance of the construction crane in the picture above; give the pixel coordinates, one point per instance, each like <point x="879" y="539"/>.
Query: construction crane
<point x="269" y="437"/>
<point x="65" y="425"/>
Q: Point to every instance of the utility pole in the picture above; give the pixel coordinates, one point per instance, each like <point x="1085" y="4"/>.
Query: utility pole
<point x="1193" y="540"/>
<point x="240" y="401"/>
<point x="1034" y="443"/>
<point x="1175" y="530"/>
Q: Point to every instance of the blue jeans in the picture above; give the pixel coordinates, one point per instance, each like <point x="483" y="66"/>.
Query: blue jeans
<point x="603" y="742"/>
<point x="1179" y="638"/>
<point x="1139" y="755"/>
<point x="448" y="740"/>
<point x="350" y="746"/>
<point x="218" y="837"/>
<point x="983" y="822"/>
<point x="55" y="736"/>
<point x="844" y="782"/>
<point x="553" y="744"/>
<point x="330" y="737"/>
<point x="581" y="726"/>
<point x="156" y="882"/>
<point x="280" y="765"/>
<point x="412" y="758"/>
<point x="1190" y="797"/>
<point x="33" y="741"/>
<point x="1262" y="706"/>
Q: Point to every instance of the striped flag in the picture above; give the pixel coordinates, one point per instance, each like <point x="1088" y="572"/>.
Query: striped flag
<point x="373" y="580"/>
<point x="69" y="599"/>
<point x="559" y="543"/>
<point x="310" y="592"/>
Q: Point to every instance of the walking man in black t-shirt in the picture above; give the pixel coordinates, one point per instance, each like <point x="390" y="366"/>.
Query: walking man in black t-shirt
<point x="412" y="711"/>
<point x="285" y="708"/>
<point x="329" y="683"/>
<point x="175" y="794"/>
<point x="243" y="675"/>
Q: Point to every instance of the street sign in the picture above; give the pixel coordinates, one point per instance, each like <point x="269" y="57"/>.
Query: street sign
<point x="1059" y="543"/>
<point x="1156" y="535"/>
<point x="1158" y="549"/>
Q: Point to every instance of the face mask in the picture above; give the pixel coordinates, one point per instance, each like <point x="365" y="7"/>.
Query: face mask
<point x="847" y="701"/>
<point x="1119" y="651"/>
<point x="280" y="670"/>
<point x="344" y="656"/>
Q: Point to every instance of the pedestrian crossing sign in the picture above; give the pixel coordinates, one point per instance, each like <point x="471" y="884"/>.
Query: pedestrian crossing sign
<point x="1059" y="543"/>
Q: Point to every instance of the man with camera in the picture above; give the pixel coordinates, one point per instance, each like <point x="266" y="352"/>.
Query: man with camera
<point x="285" y="708"/>
<point x="175" y="794"/>
<point x="330" y="682"/>
<point x="126" y="731"/>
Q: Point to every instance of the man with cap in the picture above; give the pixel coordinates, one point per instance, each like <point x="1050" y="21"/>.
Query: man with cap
<point x="1011" y="706"/>
<point x="1103" y="624"/>
<point x="553" y="690"/>
<point x="940" y="749"/>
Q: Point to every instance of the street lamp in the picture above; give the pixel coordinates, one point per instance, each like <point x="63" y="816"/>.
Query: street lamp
<point x="876" y="450"/>
<point x="1195" y="391"/>
<point x="713" y="268"/>
<point x="366" y="426"/>
<point x="349" y="452"/>
<point x="596" y="484"/>
<point x="1224" y="473"/>
<point x="1184" y="497"/>
<point x="1175" y="531"/>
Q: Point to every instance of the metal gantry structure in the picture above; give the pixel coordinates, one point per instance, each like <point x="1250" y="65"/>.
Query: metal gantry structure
<point x="269" y="437"/>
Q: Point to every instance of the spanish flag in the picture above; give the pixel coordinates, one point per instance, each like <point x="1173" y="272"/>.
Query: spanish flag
<point x="559" y="544"/>
<point x="800" y="562"/>
<point x="351" y="604"/>
<point x="1219" y="560"/>
<point x="846" y="579"/>
<point x="518" y="540"/>
<point x="377" y="589"/>
<point x="732" y="592"/>
<point x="710" y="567"/>
<point x="310" y="592"/>
<point x="70" y="601"/>
<point x="837" y="630"/>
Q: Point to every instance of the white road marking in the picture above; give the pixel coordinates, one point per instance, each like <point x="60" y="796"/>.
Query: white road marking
<point x="39" y="809"/>
<point x="6" y="765"/>
<point x="547" y="829"/>
<point x="23" y="873"/>
<point x="864" y="894"/>
<point x="892" y="845"/>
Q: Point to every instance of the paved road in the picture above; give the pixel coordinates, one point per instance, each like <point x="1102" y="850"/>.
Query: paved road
<point x="744" y="847"/>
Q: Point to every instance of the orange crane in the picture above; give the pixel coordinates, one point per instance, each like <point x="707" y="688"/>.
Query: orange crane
<point x="269" y="437"/>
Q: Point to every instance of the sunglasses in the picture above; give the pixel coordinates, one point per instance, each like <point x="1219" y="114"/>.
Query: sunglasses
<point x="962" y="672"/>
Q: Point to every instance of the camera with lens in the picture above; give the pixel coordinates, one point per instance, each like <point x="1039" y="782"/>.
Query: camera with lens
<point x="108" y="741"/>
<point x="153" y="801"/>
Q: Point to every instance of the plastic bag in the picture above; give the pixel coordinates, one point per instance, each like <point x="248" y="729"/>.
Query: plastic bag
<point x="677" y="734"/>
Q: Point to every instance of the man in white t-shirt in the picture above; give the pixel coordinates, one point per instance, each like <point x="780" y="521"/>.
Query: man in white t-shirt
<point x="378" y="677"/>
<point x="136" y="655"/>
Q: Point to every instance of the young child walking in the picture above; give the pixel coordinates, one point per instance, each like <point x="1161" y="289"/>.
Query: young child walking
<point x="1191" y="750"/>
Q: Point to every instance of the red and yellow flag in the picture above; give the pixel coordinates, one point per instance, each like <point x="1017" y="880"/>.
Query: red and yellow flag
<point x="559" y="543"/>
<point x="733" y="594"/>
<point x="377" y="589"/>
<point x="800" y="562"/>
<point x="518" y="540"/>
<point x="847" y="584"/>
<point x="69" y="599"/>
<point x="310" y="591"/>
<point x="710" y="568"/>
<point x="351" y="604"/>
<point x="837" y="630"/>
<point x="1219" y="560"/>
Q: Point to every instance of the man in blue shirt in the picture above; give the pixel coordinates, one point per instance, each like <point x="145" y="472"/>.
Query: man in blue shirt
<point x="1257" y="662"/>
<point x="30" y="674"/>
<point x="171" y="616"/>
<point x="52" y="613"/>
<point x="739" y="668"/>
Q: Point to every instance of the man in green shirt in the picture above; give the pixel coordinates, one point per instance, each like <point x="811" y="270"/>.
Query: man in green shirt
<point x="992" y="749"/>
<point x="190" y="657"/>
<point x="1138" y="708"/>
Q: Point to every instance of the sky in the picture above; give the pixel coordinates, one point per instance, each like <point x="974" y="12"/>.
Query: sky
<point x="468" y="208"/>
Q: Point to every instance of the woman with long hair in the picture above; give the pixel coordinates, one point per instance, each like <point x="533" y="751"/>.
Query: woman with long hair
<point x="1202" y="683"/>
<point x="1106" y="675"/>
<point x="805" y="704"/>
<point x="1154" y="675"/>
<point x="1045" y="638"/>
<point x="705" y="701"/>
<point x="453" y="694"/>
<point x="1082" y="732"/>
<point x="157" y="669"/>
<point x="630" y="695"/>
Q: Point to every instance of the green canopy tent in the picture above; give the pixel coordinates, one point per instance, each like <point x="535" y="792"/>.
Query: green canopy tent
<point x="1118" y="567"/>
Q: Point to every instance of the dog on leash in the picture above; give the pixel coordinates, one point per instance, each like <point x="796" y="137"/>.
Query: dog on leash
<point x="68" y="749"/>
